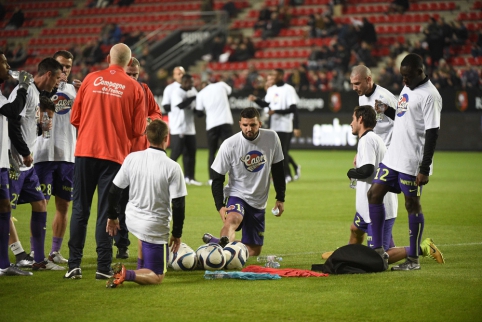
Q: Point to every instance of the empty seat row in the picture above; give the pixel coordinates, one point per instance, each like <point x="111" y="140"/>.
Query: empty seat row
<point x="135" y="9"/>
<point x="121" y="19"/>
<point x="296" y="53"/>
<point x="476" y="15"/>
<point x="14" y="33"/>
<point x="273" y="3"/>
<point x="47" y="41"/>
<point x="296" y="11"/>
<point x="462" y="61"/>
<point x="401" y="29"/>
<point x="433" y="6"/>
<point x="40" y="5"/>
<point x="71" y="31"/>
<point x="259" y="65"/>
<point x="292" y="43"/>
<point x="285" y="33"/>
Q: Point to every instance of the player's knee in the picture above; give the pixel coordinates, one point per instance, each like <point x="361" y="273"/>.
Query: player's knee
<point x="413" y="205"/>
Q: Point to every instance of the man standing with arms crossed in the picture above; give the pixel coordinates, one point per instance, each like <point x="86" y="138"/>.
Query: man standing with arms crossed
<point x="109" y="112"/>
<point x="407" y="164"/>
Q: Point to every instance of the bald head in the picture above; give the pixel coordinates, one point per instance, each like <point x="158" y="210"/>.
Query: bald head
<point x="177" y="73"/>
<point x="120" y="55"/>
<point x="361" y="80"/>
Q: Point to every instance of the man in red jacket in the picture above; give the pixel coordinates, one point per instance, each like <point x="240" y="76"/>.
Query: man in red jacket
<point x="108" y="112"/>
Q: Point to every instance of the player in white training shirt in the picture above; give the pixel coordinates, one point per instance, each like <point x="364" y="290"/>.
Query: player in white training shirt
<point x="219" y="121"/>
<point x="282" y="100"/>
<point x="54" y="156"/>
<point x="155" y="181"/>
<point x="248" y="157"/>
<point x="369" y="93"/>
<point x="177" y="74"/>
<point x="407" y="164"/>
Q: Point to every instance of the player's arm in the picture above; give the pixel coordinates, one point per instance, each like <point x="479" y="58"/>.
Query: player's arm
<point x="279" y="183"/>
<point x="217" y="189"/>
<point x="178" y="215"/>
<point x="186" y="102"/>
<point x="431" y="136"/>
<point x="139" y="117"/>
<point x="113" y="199"/>
<point x="259" y="101"/>
<point x="363" y="172"/>
<point x="14" y="108"/>
<point x="16" y="139"/>
<point x="291" y="109"/>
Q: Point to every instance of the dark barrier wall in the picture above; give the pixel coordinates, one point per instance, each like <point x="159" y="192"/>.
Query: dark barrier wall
<point x="325" y="120"/>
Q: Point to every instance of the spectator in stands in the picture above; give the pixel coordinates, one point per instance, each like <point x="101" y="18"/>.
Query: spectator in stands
<point x="272" y="27"/>
<point x="103" y="3"/>
<point x="460" y="33"/>
<point x="337" y="7"/>
<point x="249" y="44"/>
<point x="17" y="19"/>
<point x="207" y="7"/>
<point x="251" y="77"/>
<point x="3" y="11"/>
<point x="420" y="49"/>
<point x="476" y="50"/>
<point x="330" y="27"/>
<point x="131" y="38"/>
<point x="470" y="77"/>
<point x="348" y="36"/>
<point x="398" y="6"/>
<point x="264" y="16"/>
<point x="384" y="78"/>
<point x="396" y="49"/>
<point x="367" y="32"/>
<point x="299" y="79"/>
<point x="230" y="8"/>
<point x="314" y="57"/>
<point x="92" y="53"/>
<point x="341" y="57"/>
<point x="337" y="81"/>
<point x="435" y="38"/>
<point x="284" y="15"/>
<point x="125" y="3"/>
<point x="447" y="34"/>
<point x="217" y="48"/>
<point x="364" y="55"/>
<point x="241" y="53"/>
<point x="317" y="24"/>
<point x="18" y="56"/>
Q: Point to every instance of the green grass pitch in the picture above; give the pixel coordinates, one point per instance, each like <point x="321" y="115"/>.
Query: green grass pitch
<point x="319" y="210"/>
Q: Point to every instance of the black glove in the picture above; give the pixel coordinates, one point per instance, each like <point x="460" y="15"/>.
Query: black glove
<point x="24" y="79"/>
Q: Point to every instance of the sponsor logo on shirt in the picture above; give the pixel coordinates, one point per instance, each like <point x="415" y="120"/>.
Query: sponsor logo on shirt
<point x="254" y="161"/>
<point x="108" y="87"/>
<point x="63" y="103"/>
<point x="402" y="105"/>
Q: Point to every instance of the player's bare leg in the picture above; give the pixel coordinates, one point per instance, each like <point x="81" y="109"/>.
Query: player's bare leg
<point x="356" y="235"/>
<point x="396" y="254"/>
<point x="232" y="221"/>
<point x="59" y="226"/>
<point x="254" y="250"/>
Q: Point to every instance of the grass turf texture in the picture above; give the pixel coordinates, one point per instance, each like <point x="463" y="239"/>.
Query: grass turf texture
<point x="319" y="210"/>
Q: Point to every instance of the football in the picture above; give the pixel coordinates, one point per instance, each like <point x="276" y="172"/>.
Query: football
<point x="211" y="257"/>
<point x="184" y="260"/>
<point x="236" y="254"/>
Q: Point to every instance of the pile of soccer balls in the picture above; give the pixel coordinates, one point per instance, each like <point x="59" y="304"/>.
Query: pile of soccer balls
<point x="209" y="257"/>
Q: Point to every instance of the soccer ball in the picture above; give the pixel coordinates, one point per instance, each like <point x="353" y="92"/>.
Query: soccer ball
<point x="184" y="260"/>
<point x="210" y="257"/>
<point x="236" y="254"/>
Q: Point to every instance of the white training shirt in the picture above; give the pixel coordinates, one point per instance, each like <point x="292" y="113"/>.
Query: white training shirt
<point x="63" y="136"/>
<point x="181" y="121"/>
<point x="249" y="166"/>
<point x="417" y="111"/>
<point x="30" y="116"/>
<point x="384" y="127"/>
<point x="4" y="162"/>
<point x="166" y="95"/>
<point x="214" y="100"/>
<point x="281" y="98"/>
<point x="371" y="150"/>
<point x="154" y="180"/>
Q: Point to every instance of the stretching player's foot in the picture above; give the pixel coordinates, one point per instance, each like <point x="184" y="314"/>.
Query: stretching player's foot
<point x="429" y="249"/>
<point x="47" y="265"/>
<point x="207" y="237"/>
<point x="58" y="258"/>
<point x="410" y="264"/>
<point x="223" y="241"/>
<point x="297" y="176"/>
<point x="26" y="262"/>
<point x="119" y="276"/>
<point x="383" y="254"/>
<point x="13" y="270"/>
<point x="325" y="255"/>
<point x="74" y="273"/>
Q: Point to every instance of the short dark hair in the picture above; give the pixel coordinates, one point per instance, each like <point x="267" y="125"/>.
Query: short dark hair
<point x="280" y="71"/>
<point x="45" y="104"/>
<point x="157" y="131"/>
<point x="250" y="113"/>
<point x="63" y="53"/>
<point x="186" y="77"/>
<point x="368" y="115"/>
<point x="412" y="60"/>
<point x="48" y="65"/>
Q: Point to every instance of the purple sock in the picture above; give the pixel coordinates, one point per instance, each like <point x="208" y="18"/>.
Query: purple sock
<point x="407" y="249"/>
<point x="377" y="216"/>
<point x="140" y="263"/>
<point x="392" y="243"/>
<point x="38" y="229"/>
<point x="415" y="226"/>
<point x="214" y="240"/>
<point x="130" y="275"/>
<point x="56" y="244"/>
<point x="4" y="231"/>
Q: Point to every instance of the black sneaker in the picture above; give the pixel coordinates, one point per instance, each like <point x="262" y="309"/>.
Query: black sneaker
<point x="223" y="241"/>
<point x="122" y="253"/>
<point x="103" y="275"/>
<point x="74" y="273"/>
<point x="207" y="238"/>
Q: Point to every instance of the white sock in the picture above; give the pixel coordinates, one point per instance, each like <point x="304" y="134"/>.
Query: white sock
<point x="16" y="248"/>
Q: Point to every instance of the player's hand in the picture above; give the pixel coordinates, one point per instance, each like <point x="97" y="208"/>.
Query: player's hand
<point x="421" y="179"/>
<point x="24" y="79"/>
<point x="223" y="213"/>
<point x="76" y="84"/>
<point x="28" y="160"/>
<point x="112" y="227"/>
<point x="174" y="244"/>
<point x="271" y="112"/>
<point x="63" y="78"/>
<point x="281" y="207"/>
<point x="354" y="161"/>
<point x="297" y="133"/>
<point x="252" y="98"/>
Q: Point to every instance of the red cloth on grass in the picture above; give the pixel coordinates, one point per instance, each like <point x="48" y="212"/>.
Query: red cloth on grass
<point x="284" y="272"/>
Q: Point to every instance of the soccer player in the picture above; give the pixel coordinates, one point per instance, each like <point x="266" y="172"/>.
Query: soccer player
<point x="8" y="109"/>
<point x="26" y="188"/>
<point x="182" y="128"/>
<point x="370" y="94"/>
<point x="281" y="100"/>
<point x="108" y="112"/>
<point x="248" y="157"/>
<point x="121" y="239"/>
<point x="407" y="164"/>
<point x="219" y="121"/>
<point x="155" y="182"/>
<point x="54" y="156"/>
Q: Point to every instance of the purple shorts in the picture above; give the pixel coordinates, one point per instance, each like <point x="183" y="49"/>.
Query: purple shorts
<point x="155" y="257"/>
<point x="4" y="184"/>
<point x="367" y="228"/>
<point x="26" y="189"/>
<point x="56" y="178"/>
<point x="398" y="181"/>
<point x="253" y="221"/>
